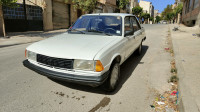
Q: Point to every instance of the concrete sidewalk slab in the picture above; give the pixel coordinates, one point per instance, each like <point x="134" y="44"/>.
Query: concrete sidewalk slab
<point x="186" y="46"/>
<point x="17" y="38"/>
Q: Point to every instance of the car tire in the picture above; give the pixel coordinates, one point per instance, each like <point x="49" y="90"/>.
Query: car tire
<point x="113" y="79"/>
<point x="139" y="50"/>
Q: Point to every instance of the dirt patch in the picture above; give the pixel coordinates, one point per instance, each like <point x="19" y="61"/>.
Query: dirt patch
<point x="104" y="102"/>
<point x="78" y="98"/>
<point x="60" y="93"/>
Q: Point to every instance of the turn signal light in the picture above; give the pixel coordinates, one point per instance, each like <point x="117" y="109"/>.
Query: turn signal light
<point x="25" y="52"/>
<point x="99" y="66"/>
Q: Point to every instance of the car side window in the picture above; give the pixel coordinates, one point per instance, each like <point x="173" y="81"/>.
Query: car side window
<point x="128" y="27"/>
<point x="135" y="24"/>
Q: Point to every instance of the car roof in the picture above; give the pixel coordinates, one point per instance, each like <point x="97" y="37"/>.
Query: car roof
<point x="112" y="14"/>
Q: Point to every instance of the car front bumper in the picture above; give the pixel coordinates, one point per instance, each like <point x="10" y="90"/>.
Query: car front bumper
<point x="93" y="81"/>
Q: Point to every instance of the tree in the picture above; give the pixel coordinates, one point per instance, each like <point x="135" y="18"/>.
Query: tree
<point x="166" y="11"/>
<point x="145" y="15"/>
<point x="178" y="10"/>
<point x="170" y="16"/>
<point x="151" y="18"/>
<point x="122" y="4"/>
<point x="8" y="3"/>
<point x="137" y="10"/>
<point x="85" y="5"/>
<point x="158" y="18"/>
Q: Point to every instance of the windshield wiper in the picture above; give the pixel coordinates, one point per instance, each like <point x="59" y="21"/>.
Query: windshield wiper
<point x="96" y="31"/>
<point x="77" y="30"/>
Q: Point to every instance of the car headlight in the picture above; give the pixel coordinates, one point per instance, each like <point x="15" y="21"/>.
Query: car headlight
<point x="88" y="65"/>
<point x="31" y="55"/>
<point x="84" y="65"/>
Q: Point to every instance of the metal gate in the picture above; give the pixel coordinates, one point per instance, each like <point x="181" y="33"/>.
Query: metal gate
<point x="61" y="15"/>
<point x="15" y="18"/>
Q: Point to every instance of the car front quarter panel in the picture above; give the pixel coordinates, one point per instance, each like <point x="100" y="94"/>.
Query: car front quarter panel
<point x="110" y="52"/>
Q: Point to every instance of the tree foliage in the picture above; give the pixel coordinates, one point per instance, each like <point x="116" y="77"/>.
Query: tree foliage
<point x="170" y="16"/>
<point x="122" y="4"/>
<point x="158" y="18"/>
<point x="137" y="10"/>
<point x="145" y="15"/>
<point x="151" y="18"/>
<point x="85" y="5"/>
<point x="178" y="9"/>
<point x="166" y="12"/>
<point x="9" y="3"/>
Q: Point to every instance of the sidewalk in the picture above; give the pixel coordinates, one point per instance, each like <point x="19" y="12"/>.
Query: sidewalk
<point x="18" y="38"/>
<point x="187" y="55"/>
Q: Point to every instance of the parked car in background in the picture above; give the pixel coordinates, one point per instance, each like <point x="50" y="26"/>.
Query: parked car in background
<point x="164" y="22"/>
<point x="91" y="52"/>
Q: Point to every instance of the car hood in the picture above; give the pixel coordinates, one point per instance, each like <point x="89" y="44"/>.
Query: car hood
<point x="72" y="46"/>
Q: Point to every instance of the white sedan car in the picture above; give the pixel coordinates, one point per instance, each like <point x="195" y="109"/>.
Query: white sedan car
<point x="91" y="52"/>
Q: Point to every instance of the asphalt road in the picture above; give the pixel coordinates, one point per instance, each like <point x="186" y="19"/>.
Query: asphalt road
<point x="22" y="90"/>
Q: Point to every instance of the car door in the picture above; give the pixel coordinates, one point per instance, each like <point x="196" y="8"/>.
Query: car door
<point x="129" y="35"/>
<point x="137" y="32"/>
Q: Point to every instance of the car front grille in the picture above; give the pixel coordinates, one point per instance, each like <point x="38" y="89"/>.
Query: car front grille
<point x="55" y="62"/>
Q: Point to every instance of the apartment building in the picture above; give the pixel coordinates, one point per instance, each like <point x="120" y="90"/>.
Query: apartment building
<point x="191" y="12"/>
<point x="147" y="7"/>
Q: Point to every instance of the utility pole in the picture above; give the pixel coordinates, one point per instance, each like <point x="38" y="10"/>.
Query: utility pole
<point x="25" y="14"/>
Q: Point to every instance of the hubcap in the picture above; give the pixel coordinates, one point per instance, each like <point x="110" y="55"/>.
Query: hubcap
<point x="114" y="76"/>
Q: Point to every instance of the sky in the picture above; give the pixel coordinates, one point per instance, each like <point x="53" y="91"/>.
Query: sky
<point x="160" y="4"/>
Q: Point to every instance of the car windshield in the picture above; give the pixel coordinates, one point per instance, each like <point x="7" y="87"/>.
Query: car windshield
<point x="100" y="25"/>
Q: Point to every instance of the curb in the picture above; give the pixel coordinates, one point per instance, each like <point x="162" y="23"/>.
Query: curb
<point x="9" y="45"/>
<point x="184" y="93"/>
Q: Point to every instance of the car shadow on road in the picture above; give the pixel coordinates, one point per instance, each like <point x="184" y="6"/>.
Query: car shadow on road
<point x="126" y="70"/>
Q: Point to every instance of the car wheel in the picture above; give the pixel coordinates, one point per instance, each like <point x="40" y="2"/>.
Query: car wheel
<point x="139" y="49"/>
<point x="112" y="81"/>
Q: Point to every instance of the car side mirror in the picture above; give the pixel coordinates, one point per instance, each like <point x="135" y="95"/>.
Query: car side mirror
<point x="127" y="33"/>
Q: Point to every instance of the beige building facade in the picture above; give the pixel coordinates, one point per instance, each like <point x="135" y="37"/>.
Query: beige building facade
<point x="147" y="7"/>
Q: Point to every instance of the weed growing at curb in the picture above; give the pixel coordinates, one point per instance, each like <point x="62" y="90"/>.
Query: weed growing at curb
<point x="174" y="79"/>
<point x="173" y="70"/>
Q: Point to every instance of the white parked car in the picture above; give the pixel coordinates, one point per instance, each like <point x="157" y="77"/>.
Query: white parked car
<point x="91" y="52"/>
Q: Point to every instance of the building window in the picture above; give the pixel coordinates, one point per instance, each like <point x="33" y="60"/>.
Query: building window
<point x="196" y="3"/>
<point x="190" y="5"/>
